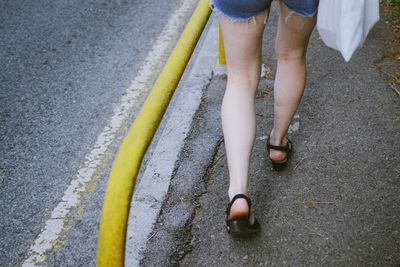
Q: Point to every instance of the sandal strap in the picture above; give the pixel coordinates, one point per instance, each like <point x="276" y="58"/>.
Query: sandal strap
<point x="285" y="148"/>
<point x="280" y="148"/>
<point x="237" y="197"/>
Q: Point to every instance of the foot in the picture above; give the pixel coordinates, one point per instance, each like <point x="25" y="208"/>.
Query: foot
<point x="244" y="225"/>
<point x="277" y="155"/>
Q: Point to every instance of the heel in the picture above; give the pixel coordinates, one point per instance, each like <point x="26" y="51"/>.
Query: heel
<point x="241" y="226"/>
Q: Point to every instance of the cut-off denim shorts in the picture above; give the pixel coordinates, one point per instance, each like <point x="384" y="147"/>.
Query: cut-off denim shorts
<point x="244" y="10"/>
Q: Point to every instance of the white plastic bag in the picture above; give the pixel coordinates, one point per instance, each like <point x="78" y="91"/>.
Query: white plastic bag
<point x="344" y="24"/>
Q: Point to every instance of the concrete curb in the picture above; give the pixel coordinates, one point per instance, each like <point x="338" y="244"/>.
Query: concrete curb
<point x="153" y="185"/>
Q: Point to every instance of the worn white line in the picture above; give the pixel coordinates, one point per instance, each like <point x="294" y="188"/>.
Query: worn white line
<point x="72" y="195"/>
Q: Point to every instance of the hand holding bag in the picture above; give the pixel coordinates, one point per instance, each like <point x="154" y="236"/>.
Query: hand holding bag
<point x="344" y="24"/>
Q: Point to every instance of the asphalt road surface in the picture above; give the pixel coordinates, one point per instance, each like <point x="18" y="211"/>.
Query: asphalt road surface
<point x="73" y="76"/>
<point x="65" y="66"/>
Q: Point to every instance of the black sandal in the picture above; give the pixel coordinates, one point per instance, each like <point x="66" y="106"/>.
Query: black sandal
<point x="241" y="226"/>
<point x="279" y="165"/>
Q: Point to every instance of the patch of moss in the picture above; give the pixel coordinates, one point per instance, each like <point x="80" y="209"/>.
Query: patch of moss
<point x="396" y="6"/>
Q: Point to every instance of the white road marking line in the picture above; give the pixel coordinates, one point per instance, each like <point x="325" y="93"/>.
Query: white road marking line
<point x="72" y="195"/>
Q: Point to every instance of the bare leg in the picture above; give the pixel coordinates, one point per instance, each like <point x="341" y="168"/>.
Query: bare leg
<point x="291" y="46"/>
<point x="243" y="42"/>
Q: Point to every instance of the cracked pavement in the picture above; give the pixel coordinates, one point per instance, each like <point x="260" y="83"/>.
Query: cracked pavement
<point x="337" y="204"/>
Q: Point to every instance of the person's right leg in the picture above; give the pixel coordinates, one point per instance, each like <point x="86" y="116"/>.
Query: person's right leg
<point x="291" y="46"/>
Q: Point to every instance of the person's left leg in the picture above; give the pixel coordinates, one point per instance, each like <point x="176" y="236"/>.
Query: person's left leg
<point x="243" y="42"/>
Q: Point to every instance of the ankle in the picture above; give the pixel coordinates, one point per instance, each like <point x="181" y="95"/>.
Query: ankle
<point x="278" y="139"/>
<point x="233" y="191"/>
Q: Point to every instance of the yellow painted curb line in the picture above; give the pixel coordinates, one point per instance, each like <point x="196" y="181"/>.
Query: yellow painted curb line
<point x="114" y="220"/>
<point x="221" y="58"/>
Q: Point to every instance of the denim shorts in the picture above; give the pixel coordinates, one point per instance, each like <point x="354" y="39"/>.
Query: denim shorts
<point x="243" y="10"/>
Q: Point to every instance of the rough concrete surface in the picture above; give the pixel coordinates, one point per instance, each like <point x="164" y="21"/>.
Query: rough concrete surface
<point x="337" y="204"/>
<point x="152" y="188"/>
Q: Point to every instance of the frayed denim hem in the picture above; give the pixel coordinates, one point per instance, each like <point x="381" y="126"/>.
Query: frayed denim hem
<point x="219" y="12"/>
<point x="301" y="14"/>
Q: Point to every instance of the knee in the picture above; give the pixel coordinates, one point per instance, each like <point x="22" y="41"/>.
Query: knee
<point x="287" y="54"/>
<point x="247" y="80"/>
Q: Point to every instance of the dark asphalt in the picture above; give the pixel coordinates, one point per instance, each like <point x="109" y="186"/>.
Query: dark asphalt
<point x="337" y="204"/>
<point x="64" y="66"/>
